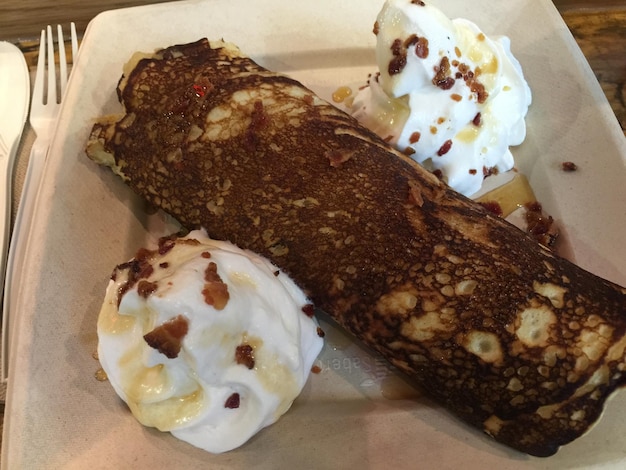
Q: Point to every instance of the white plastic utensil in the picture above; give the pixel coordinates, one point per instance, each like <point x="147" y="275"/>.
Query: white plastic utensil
<point x="14" y="97"/>
<point x="45" y="106"/>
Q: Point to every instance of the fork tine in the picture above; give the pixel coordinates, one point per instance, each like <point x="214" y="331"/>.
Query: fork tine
<point x="74" y="41"/>
<point x="62" y="61"/>
<point x="52" y="74"/>
<point x="39" y="75"/>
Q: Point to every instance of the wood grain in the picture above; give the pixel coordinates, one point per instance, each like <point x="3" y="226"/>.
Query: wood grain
<point x="23" y="19"/>
<point x="601" y="36"/>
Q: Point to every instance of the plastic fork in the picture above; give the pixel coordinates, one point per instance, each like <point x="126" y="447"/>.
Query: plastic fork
<point x="45" y="106"/>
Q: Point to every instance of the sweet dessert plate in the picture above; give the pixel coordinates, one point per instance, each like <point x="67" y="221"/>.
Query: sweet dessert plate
<point x="356" y="411"/>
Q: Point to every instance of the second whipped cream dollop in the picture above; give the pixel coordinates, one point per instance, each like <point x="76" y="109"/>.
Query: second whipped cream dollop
<point x="205" y="340"/>
<point x="446" y="94"/>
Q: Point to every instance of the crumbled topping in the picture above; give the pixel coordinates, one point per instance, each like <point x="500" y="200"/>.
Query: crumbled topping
<point x="540" y="225"/>
<point x="397" y="64"/>
<point x="232" y="401"/>
<point x="215" y="291"/>
<point x="479" y="89"/>
<point x="145" y="288"/>
<point x="489" y="171"/>
<point x="569" y="166"/>
<point x="442" y="78"/>
<point x="477" y="121"/>
<point x="421" y="48"/>
<point x="309" y="310"/>
<point x="244" y="355"/>
<point x="445" y="148"/>
<point x="415" y="137"/>
<point x="420" y="43"/>
<point x="167" y="338"/>
<point x="320" y="332"/>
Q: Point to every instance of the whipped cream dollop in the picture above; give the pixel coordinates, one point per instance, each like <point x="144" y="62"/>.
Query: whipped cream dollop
<point x="205" y="340"/>
<point x="446" y="94"/>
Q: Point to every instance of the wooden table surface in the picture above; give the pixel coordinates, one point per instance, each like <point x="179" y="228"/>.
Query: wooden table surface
<point x="599" y="27"/>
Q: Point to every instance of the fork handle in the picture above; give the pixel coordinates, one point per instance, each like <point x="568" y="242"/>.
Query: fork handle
<point x="18" y="246"/>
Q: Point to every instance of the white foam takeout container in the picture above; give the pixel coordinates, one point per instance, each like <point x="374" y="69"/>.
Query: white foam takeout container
<point x="356" y="412"/>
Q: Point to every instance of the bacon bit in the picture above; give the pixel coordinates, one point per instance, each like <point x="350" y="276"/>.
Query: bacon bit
<point x="418" y="2"/>
<point x="320" y="332"/>
<point x="167" y="338"/>
<point x="439" y="174"/>
<point x="316" y="369"/>
<point x="421" y="45"/>
<point x="309" y="310"/>
<point x="478" y="88"/>
<point x="415" y="194"/>
<point x="473" y="171"/>
<point x="446" y="83"/>
<point x="445" y="148"/>
<point x="376" y="28"/>
<point x="421" y="48"/>
<point x="415" y="137"/>
<point x="412" y="39"/>
<point x="138" y="268"/>
<point x="244" y="355"/>
<point x="540" y="226"/>
<point x="442" y="77"/>
<point x="205" y="254"/>
<point x="308" y="99"/>
<point x="215" y="291"/>
<point x="164" y="265"/>
<point x="569" y="166"/>
<point x="276" y="273"/>
<point x="337" y="157"/>
<point x="456" y="97"/>
<point x="399" y="58"/>
<point x="490" y="171"/>
<point x="493" y="207"/>
<point x="477" y="121"/>
<point x="409" y="151"/>
<point x="165" y="245"/>
<point x="232" y="402"/>
<point x="145" y="288"/>
<point x="199" y="90"/>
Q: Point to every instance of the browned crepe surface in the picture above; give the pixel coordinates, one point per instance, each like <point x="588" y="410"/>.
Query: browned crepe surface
<point x="516" y="341"/>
